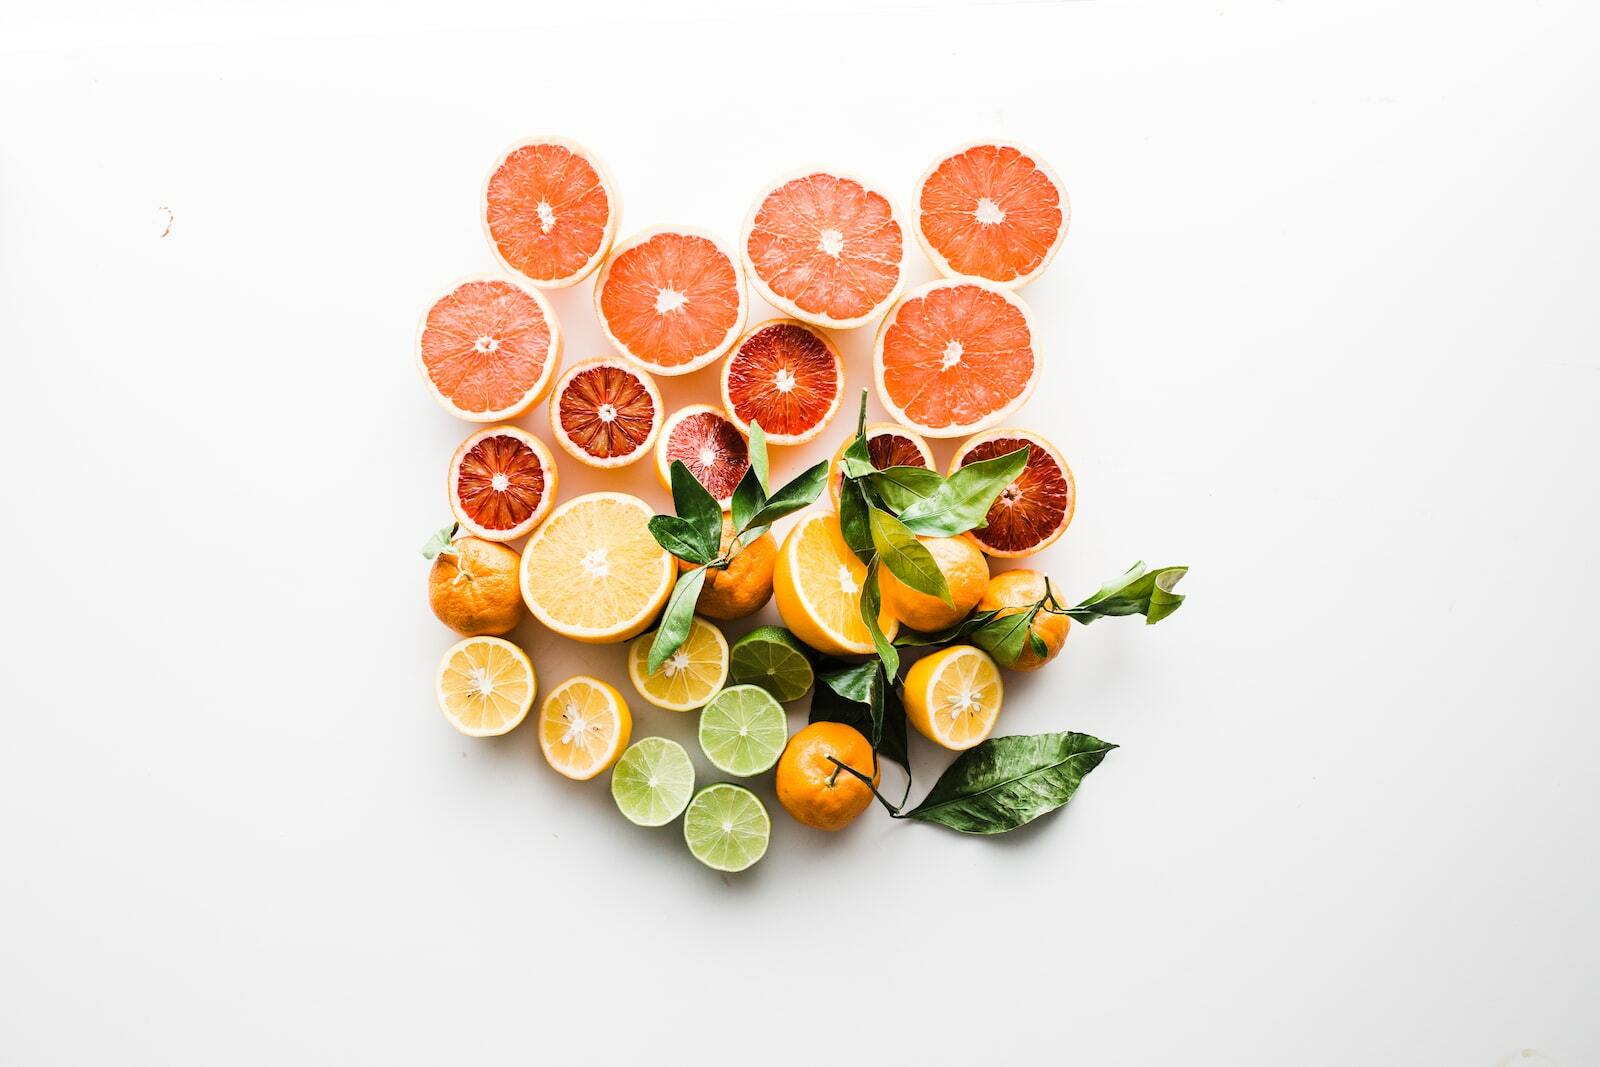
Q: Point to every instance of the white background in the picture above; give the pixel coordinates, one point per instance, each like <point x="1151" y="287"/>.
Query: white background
<point x="1324" y="329"/>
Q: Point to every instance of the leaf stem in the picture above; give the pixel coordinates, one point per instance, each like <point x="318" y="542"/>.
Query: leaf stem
<point x="894" y="812"/>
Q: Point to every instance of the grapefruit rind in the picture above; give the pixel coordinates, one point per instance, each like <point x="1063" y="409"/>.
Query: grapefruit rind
<point x="704" y="359"/>
<point x="811" y="434"/>
<point x="614" y="213"/>
<point x="546" y="500"/>
<point x="664" y="468"/>
<point x="1036" y="440"/>
<point x="559" y="432"/>
<point x="552" y="361"/>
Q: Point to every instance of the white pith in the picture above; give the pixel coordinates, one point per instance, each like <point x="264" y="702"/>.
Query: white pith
<point x="988" y="212"/>
<point x="669" y="300"/>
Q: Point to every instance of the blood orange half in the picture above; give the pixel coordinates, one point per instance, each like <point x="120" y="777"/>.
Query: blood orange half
<point x="992" y="210"/>
<point x="671" y="300"/>
<point x="488" y="349"/>
<point x="788" y="377"/>
<point x="606" y="412"/>
<point x="955" y="356"/>
<point x="550" y="211"/>
<point x="889" y="445"/>
<point x="826" y="249"/>
<point x="502" y="483"/>
<point x="709" y="444"/>
<point x="1032" y="511"/>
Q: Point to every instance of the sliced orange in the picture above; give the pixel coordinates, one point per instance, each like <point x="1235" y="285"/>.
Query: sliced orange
<point x="583" y="727"/>
<point x="485" y="686"/>
<point x="955" y="356"/>
<point x="606" y="412"/>
<point x="825" y="248"/>
<point x="502" y="483"/>
<point x="593" y="573"/>
<point x="818" y="585"/>
<point x="1033" y="511"/>
<point x="488" y="348"/>
<point x="788" y="377"/>
<point x="671" y="300"/>
<point x="991" y="210"/>
<point x="890" y="445"/>
<point x="550" y="211"/>
<point x="714" y="449"/>
<point x="953" y="696"/>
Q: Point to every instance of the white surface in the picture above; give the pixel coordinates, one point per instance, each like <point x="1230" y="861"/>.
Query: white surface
<point x="1324" y="329"/>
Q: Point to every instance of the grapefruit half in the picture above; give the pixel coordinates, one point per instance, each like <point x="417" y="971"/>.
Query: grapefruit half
<point x="502" y="483"/>
<point x="788" y="377"/>
<point x="606" y="412"/>
<point x="991" y="210"/>
<point x="1031" y="512"/>
<point x="488" y="348"/>
<point x="709" y="444"/>
<point x="671" y="300"/>
<point x="550" y="211"/>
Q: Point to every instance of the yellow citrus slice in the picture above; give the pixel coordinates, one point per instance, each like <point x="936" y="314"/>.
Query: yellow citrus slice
<point x="689" y="677"/>
<point x="818" y="585"/>
<point x="953" y="696"/>
<point x="583" y="727"/>
<point x="593" y="573"/>
<point x="485" y="686"/>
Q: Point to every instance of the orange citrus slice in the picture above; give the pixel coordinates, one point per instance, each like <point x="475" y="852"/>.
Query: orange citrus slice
<point x="818" y="585"/>
<point x="788" y="377"/>
<point x="583" y="727"/>
<point x="953" y="696"/>
<point x="550" y="211"/>
<point x="606" y="412"/>
<point x="485" y="686"/>
<point x="992" y="210"/>
<point x="1035" y="509"/>
<point x="890" y="445"/>
<point x="671" y="300"/>
<point x="502" y="483"/>
<point x="709" y="444"/>
<point x="488" y="349"/>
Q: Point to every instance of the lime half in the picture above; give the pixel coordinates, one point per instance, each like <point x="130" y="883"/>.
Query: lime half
<point x="771" y="657"/>
<point x="652" y="781"/>
<point x="726" y="827"/>
<point x="743" y="730"/>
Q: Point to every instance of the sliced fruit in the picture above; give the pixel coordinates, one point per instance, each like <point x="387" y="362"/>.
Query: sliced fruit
<point x="825" y="248"/>
<point x="653" y="781"/>
<point x="689" y="677"/>
<point x="583" y="727"/>
<point x="671" y="300"/>
<point x="593" y="573"/>
<point x="550" y="211"/>
<point x="606" y="413"/>
<point x="1011" y="592"/>
<point x="816" y="790"/>
<point x="709" y="444"/>
<point x="726" y="827"/>
<point x="485" y="686"/>
<point x="743" y="730"/>
<point x="890" y="445"/>
<point x="966" y="574"/>
<point x="769" y="656"/>
<point x="1031" y="512"/>
<point x="502" y="483"/>
<point x="788" y="377"/>
<point x="953" y="696"/>
<point x="472" y="587"/>
<point x="818" y="585"/>
<point x="991" y="210"/>
<point x="954" y="357"/>
<point x="488" y="349"/>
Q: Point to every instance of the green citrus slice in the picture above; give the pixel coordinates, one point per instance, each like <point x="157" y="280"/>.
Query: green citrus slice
<point x="653" y="781"/>
<point x="743" y="730"/>
<point x="771" y="657"/>
<point x="726" y="827"/>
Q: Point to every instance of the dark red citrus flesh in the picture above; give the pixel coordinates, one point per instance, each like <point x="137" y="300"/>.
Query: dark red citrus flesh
<point x="889" y="449"/>
<point x="520" y="476"/>
<point x="785" y="377"/>
<point x="1031" y="508"/>
<point x="713" y="450"/>
<point x="606" y="411"/>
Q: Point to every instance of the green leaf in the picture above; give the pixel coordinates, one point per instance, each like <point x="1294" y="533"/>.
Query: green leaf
<point x="853" y="520"/>
<point x="1005" y="782"/>
<point x="859" y="695"/>
<point x="748" y="498"/>
<point x="757" y="450"/>
<point x="1137" y="592"/>
<point x="962" y="503"/>
<point x="950" y="634"/>
<point x="681" y="538"/>
<point x="902" y="487"/>
<point x="907" y="558"/>
<point x="678" y="618"/>
<point x="871" y="605"/>
<point x="695" y="504"/>
<point x="800" y="491"/>
<point x="857" y="460"/>
<point x="1004" y="636"/>
<point x="440" y="541"/>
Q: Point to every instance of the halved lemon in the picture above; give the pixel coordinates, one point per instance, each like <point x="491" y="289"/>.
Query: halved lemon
<point x="485" y="686"/>
<point x="953" y="696"/>
<point x="583" y="727"/>
<point x="818" y="585"/>
<point x="593" y="573"/>
<point x="689" y="677"/>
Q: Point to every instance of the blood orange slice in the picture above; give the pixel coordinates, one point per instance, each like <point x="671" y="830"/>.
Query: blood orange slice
<point x="502" y="483"/>
<point x="550" y="211"/>
<point x="992" y="210"/>
<point x="889" y="445"/>
<point x="825" y="248"/>
<point x="1032" y="511"/>
<point x="671" y="300"/>
<point x="488" y="349"/>
<point x="709" y="444"/>
<point x="788" y="377"/>
<point x="955" y="356"/>
<point x="606" y="412"/>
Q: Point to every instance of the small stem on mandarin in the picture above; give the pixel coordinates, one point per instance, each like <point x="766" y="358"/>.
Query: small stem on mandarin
<point x="893" y="811"/>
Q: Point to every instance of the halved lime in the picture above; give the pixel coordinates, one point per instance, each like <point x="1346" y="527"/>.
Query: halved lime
<point x="743" y="730"/>
<point x="652" y="781"/>
<point x="771" y="657"/>
<point x="726" y="827"/>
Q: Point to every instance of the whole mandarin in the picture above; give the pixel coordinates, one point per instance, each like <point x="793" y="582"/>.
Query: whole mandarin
<point x="812" y="789"/>
<point x="1011" y="592"/>
<point x="473" y="588"/>
<point x="745" y="586"/>
<point x="966" y="572"/>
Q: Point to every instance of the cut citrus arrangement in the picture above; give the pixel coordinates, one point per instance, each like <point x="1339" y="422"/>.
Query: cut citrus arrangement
<point x="818" y="583"/>
<point x="826" y="249"/>
<point x="488" y="349"/>
<point x="606" y="413"/>
<point x="953" y="696"/>
<point x="485" y="686"/>
<point x="991" y="210"/>
<point x="709" y="444"/>
<point x="1035" y="509"/>
<point x="502" y="483"/>
<point x="787" y="377"/>
<point x="593" y="573"/>
<point x="550" y="211"/>
<point x="955" y="357"/>
<point x="583" y="727"/>
<point x="671" y="300"/>
<point x="691" y="676"/>
<point x="890" y="445"/>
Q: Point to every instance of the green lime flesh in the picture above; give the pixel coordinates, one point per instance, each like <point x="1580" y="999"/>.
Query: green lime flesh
<point x="743" y="730"/>
<point x="726" y="827"/>
<point x="653" y="781"/>
<point x="772" y="658"/>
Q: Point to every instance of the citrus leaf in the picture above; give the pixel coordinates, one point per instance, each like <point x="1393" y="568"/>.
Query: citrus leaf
<point x="1006" y="782"/>
<point x="907" y="558"/>
<point x="1136" y="592"/>
<point x="678" y="618"/>
<point x="681" y="538"/>
<point x="853" y="521"/>
<point x="962" y="503"/>
<point x="1004" y="636"/>
<point x="799" y="492"/>
<point x="949" y="635"/>
<point x="695" y="504"/>
<point x="871" y="605"/>
<point x="859" y="695"/>
<point x="748" y="498"/>
<point x="901" y="487"/>
<point x="440" y="541"/>
<point x="756" y="448"/>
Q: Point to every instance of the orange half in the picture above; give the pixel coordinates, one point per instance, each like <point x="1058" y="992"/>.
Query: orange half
<point x="671" y="300"/>
<point x="502" y="483"/>
<point x="488" y="349"/>
<point x="994" y="211"/>
<point x="550" y="211"/>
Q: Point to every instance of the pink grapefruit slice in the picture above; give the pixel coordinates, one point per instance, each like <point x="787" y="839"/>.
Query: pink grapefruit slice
<point x="671" y="300"/>
<point x="709" y="444"/>
<point x="1033" y="511"/>
<point x="890" y="445"/>
<point x="788" y="377"/>
<point x="826" y="249"/>
<point x="992" y="210"/>
<point x="606" y="412"/>
<point x="955" y="356"/>
<point x="488" y="349"/>
<point x="550" y="211"/>
<point x="502" y="483"/>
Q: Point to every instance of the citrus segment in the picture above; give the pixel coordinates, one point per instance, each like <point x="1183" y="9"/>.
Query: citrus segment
<point x="488" y="349"/>
<point x="1035" y="509"/>
<point x="593" y="573"/>
<point x="550" y="211"/>
<point x="709" y="444"/>
<point x="889" y="445"/>
<point x="769" y="656"/>
<point x="786" y="376"/>
<point x="485" y="686"/>
<point x="689" y="677"/>
<point x="502" y="483"/>
<point x="726" y="827"/>
<point x="672" y="300"/>
<point x="994" y="211"/>
<point x="818" y="585"/>
<point x="953" y="696"/>
<point x="653" y="781"/>
<point x="583" y="727"/>
<point x="743" y="730"/>
<point x="606" y="413"/>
